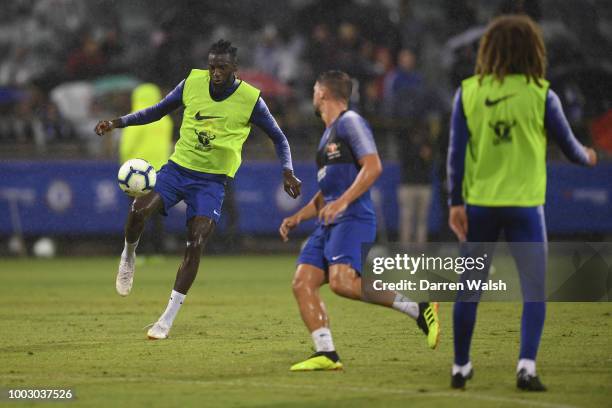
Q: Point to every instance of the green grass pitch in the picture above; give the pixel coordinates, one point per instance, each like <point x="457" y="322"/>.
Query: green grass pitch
<point x="62" y="325"/>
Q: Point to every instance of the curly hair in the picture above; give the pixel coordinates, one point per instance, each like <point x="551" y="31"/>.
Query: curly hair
<point x="512" y="44"/>
<point x="223" y="47"/>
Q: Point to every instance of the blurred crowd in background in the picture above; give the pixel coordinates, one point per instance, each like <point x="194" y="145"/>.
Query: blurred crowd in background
<point x="68" y="63"/>
<point x="65" y="64"/>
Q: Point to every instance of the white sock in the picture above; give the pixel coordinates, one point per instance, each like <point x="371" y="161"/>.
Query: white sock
<point x="528" y="365"/>
<point x="174" y="304"/>
<point x="464" y="369"/>
<point x="405" y="305"/>
<point x="129" y="250"/>
<point x="323" y="339"/>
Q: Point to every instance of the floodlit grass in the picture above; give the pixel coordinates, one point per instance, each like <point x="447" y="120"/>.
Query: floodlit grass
<point x="63" y="325"/>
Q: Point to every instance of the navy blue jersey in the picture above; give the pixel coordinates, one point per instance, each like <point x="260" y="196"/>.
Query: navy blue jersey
<point x="343" y="144"/>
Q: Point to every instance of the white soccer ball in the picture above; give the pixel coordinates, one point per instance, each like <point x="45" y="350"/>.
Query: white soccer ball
<point x="136" y="177"/>
<point x="44" y="248"/>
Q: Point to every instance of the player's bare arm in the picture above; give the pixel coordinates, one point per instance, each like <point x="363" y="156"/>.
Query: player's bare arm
<point x="307" y="212"/>
<point x="371" y="169"/>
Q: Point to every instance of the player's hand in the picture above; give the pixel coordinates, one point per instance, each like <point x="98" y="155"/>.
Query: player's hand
<point x="287" y="225"/>
<point x="292" y="184"/>
<point x="457" y="221"/>
<point x="103" y="127"/>
<point x="331" y="211"/>
<point x="592" y="156"/>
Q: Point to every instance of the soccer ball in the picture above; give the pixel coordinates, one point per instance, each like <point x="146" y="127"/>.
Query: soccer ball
<point x="136" y="177"/>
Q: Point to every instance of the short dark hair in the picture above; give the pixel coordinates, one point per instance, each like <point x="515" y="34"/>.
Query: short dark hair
<point x="223" y="47"/>
<point x="339" y="83"/>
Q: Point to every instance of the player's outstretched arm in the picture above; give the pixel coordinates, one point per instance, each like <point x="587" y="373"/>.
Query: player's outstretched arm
<point x="307" y="212"/>
<point x="171" y="102"/>
<point x="557" y="125"/>
<point x="371" y="169"/>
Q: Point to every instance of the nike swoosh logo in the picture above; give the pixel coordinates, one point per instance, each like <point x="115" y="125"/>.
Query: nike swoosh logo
<point x="334" y="258"/>
<point x="216" y="212"/>
<point x="201" y="117"/>
<point x="493" y="102"/>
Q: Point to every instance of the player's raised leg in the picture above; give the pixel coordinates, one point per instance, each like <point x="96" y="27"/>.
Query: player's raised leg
<point x="346" y="282"/>
<point x="306" y="283"/>
<point x="199" y="229"/>
<point x="140" y="210"/>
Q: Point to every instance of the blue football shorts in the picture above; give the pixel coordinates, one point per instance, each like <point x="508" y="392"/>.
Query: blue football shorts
<point x="202" y="192"/>
<point x="338" y="244"/>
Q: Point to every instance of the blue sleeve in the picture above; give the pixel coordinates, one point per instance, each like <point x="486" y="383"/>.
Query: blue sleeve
<point x="262" y="117"/>
<point x="457" y="146"/>
<point x="171" y="102"/>
<point x="557" y="126"/>
<point x="356" y="131"/>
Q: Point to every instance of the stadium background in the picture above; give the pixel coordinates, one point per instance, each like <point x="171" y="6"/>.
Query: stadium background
<point x="67" y="64"/>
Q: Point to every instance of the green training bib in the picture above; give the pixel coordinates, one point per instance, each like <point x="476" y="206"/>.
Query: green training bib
<point x="212" y="133"/>
<point x="505" y="162"/>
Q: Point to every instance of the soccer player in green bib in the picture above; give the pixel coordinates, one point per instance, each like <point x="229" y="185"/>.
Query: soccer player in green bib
<point x="500" y="122"/>
<point x="218" y="112"/>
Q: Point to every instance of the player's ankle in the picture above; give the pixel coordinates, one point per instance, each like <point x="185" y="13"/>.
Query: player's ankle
<point x="323" y="340"/>
<point x="463" y="369"/>
<point x="332" y="355"/>
<point x="528" y="365"/>
<point x="129" y="249"/>
<point x="406" y="306"/>
<point x="174" y="305"/>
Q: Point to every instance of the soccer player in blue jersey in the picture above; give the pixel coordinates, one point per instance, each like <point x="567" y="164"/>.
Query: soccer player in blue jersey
<point x="218" y="112"/>
<point x="501" y="119"/>
<point x="348" y="165"/>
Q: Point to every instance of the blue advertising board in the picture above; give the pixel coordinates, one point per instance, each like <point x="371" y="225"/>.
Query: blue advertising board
<point x="82" y="197"/>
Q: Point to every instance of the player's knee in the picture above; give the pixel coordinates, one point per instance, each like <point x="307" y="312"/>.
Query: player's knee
<point x="302" y="284"/>
<point x="298" y="285"/>
<point x="337" y="285"/>
<point x="138" y="213"/>
<point x="200" y="228"/>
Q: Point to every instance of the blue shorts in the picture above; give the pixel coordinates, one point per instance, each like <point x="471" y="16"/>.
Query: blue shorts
<point x="338" y="244"/>
<point x="202" y="192"/>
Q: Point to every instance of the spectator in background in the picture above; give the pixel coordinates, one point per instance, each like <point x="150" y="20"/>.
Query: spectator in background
<point x="151" y="142"/>
<point x="268" y="52"/>
<point x="403" y="87"/>
<point x="320" y="50"/>
<point x="50" y="126"/>
<point x="87" y="61"/>
<point x="373" y="94"/>
<point x="407" y="102"/>
<point x="414" y="193"/>
<point x="348" y="53"/>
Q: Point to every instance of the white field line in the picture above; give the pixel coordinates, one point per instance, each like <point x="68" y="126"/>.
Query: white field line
<point x="364" y="390"/>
